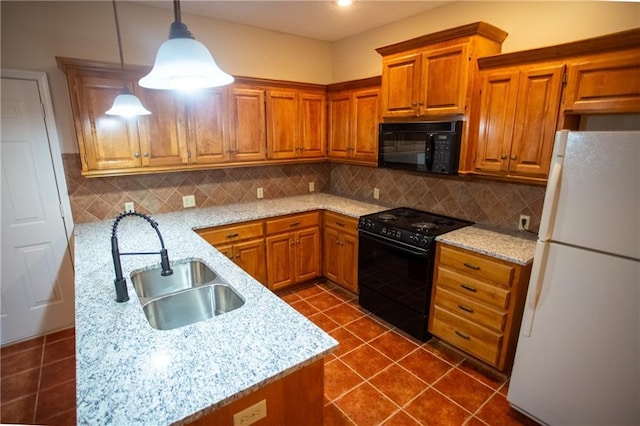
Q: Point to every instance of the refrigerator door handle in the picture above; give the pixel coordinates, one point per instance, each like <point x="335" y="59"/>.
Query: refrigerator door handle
<point x="535" y="287"/>
<point x="553" y="188"/>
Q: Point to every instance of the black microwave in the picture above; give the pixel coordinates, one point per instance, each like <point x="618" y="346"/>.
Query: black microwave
<point x="429" y="147"/>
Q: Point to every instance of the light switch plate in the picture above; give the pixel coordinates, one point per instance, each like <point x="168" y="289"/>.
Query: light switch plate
<point x="312" y="186"/>
<point x="260" y="193"/>
<point x="188" y="201"/>
<point x="376" y="193"/>
<point x="128" y="207"/>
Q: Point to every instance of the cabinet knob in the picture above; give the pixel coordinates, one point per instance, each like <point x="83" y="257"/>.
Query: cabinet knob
<point x="137" y="155"/>
<point x="513" y="157"/>
<point x="145" y="154"/>
<point x="238" y="256"/>
<point x="503" y="157"/>
<point x="420" y="103"/>
<point x="414" y="103"/>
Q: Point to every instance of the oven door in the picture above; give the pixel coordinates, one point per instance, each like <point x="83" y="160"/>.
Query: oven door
<point x="395" y="282"/>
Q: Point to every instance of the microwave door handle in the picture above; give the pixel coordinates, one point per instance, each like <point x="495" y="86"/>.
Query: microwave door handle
<point x="429" y="153"/>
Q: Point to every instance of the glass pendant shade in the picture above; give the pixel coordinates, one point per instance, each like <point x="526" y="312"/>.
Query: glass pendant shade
<point x="184" y="64"/>
<point x="127" y="105"/>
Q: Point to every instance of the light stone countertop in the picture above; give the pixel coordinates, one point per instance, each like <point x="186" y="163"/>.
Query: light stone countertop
<point x="516" y="247"/>
<point x="129" y="373"/>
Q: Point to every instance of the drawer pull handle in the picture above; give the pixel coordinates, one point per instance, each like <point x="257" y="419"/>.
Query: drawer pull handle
<point x="464" y="336"/>
<point x="294" y="224"/>
<point x="466" y="308"/>
<point x="470" y="266"/>
<point x="468" y="287"/>
<point x="339" y="223"/>
<point x="232" y="235"/>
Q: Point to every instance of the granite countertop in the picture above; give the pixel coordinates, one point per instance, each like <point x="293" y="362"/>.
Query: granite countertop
<point x="129" y="373"/>
<point x="516" y="247"/>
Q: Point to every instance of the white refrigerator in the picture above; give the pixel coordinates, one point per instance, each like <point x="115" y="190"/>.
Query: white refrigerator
<point x="578" y="356"/>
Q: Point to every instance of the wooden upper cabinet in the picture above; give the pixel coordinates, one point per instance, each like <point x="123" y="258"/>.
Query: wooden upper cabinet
<point x="433" y="75"/>
<point x="313" y="129"/>
<point x="354" y="115"/>
<point x="517" y="120"/>
<point x="282" y="124"/>
<point x="163" y="139"/>
<point x="247" y="124"/>
<point x="105" y="142"/>
<point x="208" y="127"/>
<point x="604" y="83"/>
<point x="296" y="124"/>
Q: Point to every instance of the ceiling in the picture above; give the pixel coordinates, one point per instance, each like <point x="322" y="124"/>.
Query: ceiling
<point x="321" y="20"/>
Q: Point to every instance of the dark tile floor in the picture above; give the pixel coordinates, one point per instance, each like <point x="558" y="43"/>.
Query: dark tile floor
<point x="377" y="376"/>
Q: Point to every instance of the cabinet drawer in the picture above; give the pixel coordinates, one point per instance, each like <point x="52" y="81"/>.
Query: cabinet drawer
<point x="466" y="335"/>
<point x="477" y="266"/>
<point x="470" y="309"/>
<point x="472" y="288"/>
<point x="230" y="233"/>
<point x="293" y="222"/>
<point x="339" y="221"/>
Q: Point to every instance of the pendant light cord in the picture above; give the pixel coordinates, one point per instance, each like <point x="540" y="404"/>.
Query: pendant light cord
<point x="178" y="29"/>
<point x="176" y="11"/>
<point x="115" y="14"/>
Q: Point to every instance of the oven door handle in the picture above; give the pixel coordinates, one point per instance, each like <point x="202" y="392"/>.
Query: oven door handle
<point x="395" y="244"/>
<point x="429" y="151"/>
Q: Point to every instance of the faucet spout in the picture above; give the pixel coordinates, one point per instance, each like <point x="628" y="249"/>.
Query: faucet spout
<point x="120" y="282"/>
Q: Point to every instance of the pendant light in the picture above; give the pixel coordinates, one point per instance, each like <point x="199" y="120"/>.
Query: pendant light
<point x="183" y="63"/>
<point x="125" y="104"/>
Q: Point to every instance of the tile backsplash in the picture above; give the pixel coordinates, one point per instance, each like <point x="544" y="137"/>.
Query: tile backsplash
<point x="487" y="202"/>
<point x="492" y="203"/>
<point x="103" y="198"/>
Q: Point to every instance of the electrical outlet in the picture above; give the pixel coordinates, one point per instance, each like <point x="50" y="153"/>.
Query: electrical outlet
<point x="260" y="193"/>
<point x="250" y="415"/>
<point x="312" y="186"/>
<point x="523" y="224"/>
<point x="128" y="207"/>
<point x="376" y="193"/>
<point x="188" y="201"/>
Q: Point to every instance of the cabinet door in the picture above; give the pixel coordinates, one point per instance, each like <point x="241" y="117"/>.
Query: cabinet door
<point x="331" y="255"/>
<point x="349" y="259"/>
<point x="496" y="120"/>
<point x="250" y="256"/>
<point x="445" y="76"/>
<point x="604" y="84"/>
<point x="247" y="122"/>
<point x="536" y="117"/>
<point x="164" y="140"/>
<point x="106" y="141"/>
<point x="401" y="85"/>
<point x="313" y="127"/>
<point x="339" y="124"/>
<point x="308" y="263"/>
<point x="207" y="126"/>
<point x="365" y="120"/>
<point x="280" y="260"/>
<point x="282" y="125"/>
<point x="227" y="250"/>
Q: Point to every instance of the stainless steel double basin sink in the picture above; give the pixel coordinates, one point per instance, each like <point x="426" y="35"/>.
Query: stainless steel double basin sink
<point x="193" y="293"/>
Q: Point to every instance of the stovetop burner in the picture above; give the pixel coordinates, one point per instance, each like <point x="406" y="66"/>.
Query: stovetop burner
<point x="410" y="226"/>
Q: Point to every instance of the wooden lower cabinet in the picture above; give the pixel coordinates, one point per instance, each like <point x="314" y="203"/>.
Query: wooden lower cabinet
<point x="340" y="256"/>
<point x="243" y="243"/>
<point x="477" y="303"/>
<point x="296" y="399"/>
<point x="293" y="249"/>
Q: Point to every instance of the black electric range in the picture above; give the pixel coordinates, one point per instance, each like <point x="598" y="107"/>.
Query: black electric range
<point x="395" y="265"/>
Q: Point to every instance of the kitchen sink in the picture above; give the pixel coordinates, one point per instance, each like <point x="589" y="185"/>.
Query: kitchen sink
<point x="193" y="273"/>
<point x="190" y="306"/>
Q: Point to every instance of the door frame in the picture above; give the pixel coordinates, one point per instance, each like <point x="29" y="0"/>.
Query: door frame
<point x="40" y="77"/>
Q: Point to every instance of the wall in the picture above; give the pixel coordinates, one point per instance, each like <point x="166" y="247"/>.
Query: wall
<point x="529" y="24"/>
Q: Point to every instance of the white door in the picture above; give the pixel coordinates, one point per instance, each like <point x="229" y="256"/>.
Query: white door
<point x="37" y="274"/>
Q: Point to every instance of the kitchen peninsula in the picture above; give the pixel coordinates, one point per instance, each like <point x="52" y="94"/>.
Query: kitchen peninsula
<point x="130" y="373"/>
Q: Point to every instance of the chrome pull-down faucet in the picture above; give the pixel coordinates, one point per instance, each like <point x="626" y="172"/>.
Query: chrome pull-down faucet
<point x="120" y="282"/>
